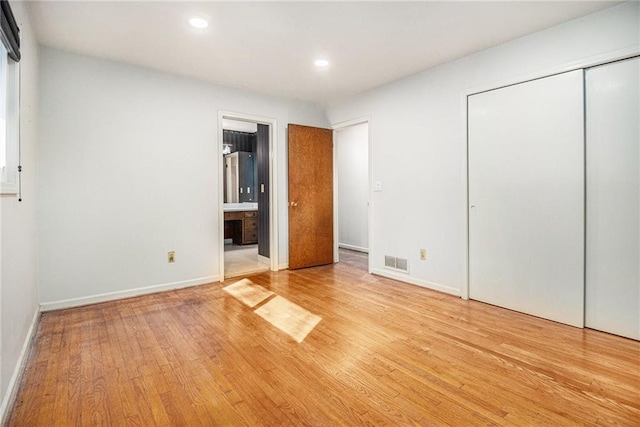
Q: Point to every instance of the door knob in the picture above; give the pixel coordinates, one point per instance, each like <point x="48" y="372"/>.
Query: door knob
<point x="293" y="204"/>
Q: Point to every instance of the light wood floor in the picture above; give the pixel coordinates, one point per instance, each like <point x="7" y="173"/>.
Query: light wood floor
<point x="384" y="353"/>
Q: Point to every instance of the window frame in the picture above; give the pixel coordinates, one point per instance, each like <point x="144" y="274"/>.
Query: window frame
<point x="9" y="173"/>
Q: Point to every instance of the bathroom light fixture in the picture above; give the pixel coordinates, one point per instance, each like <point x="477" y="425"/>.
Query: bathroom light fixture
<point x="320" y="62"/>
<point x="198" y="23"/>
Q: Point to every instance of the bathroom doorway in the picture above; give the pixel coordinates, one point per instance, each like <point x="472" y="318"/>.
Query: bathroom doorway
<point x="246" y="146"/>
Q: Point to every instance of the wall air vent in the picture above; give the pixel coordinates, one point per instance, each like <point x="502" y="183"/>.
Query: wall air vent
<point x="398" y="264"/>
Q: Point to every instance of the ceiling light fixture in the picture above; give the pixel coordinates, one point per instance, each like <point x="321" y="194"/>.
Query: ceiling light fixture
<point x="321" y="63"/>
<point x="198" y="23"/>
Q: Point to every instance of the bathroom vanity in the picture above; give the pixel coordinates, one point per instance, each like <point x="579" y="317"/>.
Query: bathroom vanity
<point x="241" y="223"/>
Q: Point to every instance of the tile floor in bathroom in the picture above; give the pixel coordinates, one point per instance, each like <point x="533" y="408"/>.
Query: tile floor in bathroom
<point x="241" y="260"/>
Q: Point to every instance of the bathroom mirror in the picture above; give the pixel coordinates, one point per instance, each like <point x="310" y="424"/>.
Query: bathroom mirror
<point x="240" y="177"/>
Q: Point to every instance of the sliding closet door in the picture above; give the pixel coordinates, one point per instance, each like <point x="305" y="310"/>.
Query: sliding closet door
<point x="613" y="198"/>
<point x="526" y="197"/>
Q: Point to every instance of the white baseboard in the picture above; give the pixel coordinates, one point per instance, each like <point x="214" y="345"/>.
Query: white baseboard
<point x="18" y="370"/>
<point x="418" y="282"/>
<point x="283" y="266"/>
<point x="353" y="248"/>
<point x="110" y="296"/>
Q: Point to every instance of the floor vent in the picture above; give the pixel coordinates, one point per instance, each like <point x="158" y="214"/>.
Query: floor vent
<point x="389" y="261"/>
<point x="394" y="263"/>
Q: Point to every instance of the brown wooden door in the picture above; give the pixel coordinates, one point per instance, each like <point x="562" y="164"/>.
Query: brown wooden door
<point x="310" y="196"/>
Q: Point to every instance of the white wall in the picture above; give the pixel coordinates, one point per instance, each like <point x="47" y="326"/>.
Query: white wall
<point x="129" y="171"/>
<point x="18" y="262"/>
<point x="423" y="202"/>
<point x="129" y="168"/>
<point x="352" y="158"/>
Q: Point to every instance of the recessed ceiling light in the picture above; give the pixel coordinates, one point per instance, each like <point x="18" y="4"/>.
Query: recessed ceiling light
<point x="198" y="23"/>
<point x="320" y="62"/>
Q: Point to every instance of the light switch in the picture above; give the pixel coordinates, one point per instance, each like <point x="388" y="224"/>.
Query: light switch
<point x="377" y="185"/>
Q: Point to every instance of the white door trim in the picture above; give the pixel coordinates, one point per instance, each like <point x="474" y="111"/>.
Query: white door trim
<point x="273" y="185"/>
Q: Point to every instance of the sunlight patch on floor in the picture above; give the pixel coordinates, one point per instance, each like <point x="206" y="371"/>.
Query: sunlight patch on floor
<point x="248" y="292"/>
<point x="289" y="317"/>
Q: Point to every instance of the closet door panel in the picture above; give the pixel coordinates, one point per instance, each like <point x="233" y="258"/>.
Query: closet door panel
<point x="526" y="197"/>
<point x="613" y="198"/>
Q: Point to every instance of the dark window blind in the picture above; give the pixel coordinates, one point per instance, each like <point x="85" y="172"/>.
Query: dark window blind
<point x="9" y="31"/>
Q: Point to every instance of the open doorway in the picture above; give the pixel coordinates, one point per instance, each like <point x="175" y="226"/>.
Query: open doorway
<point x="352" y="191"/>
<point x="248" y="225"/>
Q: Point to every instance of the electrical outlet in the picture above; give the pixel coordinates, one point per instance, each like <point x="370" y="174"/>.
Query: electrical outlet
<point x="423" y="254"/>
<point x="171" y="256"/>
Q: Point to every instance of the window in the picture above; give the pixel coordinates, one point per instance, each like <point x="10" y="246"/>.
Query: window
<point x="9" y="123"/>
<point x="3" y="112"/>
<point x="9" y="100"/>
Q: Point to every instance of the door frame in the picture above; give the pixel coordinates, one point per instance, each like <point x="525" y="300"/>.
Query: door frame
<point x="336" y="225"/>
<point x="273" y="185"/>
<point x="607" y="57"/>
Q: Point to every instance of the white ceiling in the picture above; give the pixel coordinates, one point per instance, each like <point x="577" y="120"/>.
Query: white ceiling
<point x="269" y="47"/>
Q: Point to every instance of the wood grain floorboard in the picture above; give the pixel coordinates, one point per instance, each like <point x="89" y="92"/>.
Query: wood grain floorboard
<point x="385" y="353"/>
